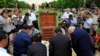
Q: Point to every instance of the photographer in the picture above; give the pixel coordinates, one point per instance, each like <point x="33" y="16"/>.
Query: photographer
<point x="97" y="37"/>
<point x="95" y="16"/>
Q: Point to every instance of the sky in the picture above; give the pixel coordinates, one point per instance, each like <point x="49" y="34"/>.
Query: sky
<point x="36" y="1"/>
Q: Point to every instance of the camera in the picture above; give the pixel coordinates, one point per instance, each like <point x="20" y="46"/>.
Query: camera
<point x="99" y="20"/>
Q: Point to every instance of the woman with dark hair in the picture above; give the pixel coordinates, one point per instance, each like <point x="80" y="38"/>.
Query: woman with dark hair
<point x="7" y="24"/>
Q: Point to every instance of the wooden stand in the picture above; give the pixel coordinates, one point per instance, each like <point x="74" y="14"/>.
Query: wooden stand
<point x="47" y="24"/>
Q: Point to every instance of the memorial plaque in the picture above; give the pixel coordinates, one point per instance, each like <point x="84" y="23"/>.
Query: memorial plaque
<point x="47" y="24"/>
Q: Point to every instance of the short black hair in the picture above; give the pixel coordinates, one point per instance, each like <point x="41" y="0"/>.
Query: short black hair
<point x="9" y="11"/>
<point x="25" y="26"/>
<point x="88" y="13"/>
<point x="3" y="35"/>
<point x="58" y="30"/>
<point x="78" y="25"/>
<point x="27" y="14"/>
<point x="37" y="37"/>
<point x="70" y="16"/>
<point x="4" y="11"/>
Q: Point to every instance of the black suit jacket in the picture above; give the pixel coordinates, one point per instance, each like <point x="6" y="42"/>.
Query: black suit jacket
<point x="60" y="45"/>
<point x="37" y="49"/>
<point x="81" y="43"/>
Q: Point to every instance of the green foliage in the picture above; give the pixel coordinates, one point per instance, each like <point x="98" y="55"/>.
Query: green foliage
<point x="98" y="3"/>
<point x="73" y="3"/>
<point x="22" y="4"/>
<point x="67" y="3"/>
<point x="13" y="3"/>
<point x="2" y="3"/>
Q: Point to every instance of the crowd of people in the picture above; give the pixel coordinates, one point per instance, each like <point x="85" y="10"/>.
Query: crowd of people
<point x="78" y="29"/>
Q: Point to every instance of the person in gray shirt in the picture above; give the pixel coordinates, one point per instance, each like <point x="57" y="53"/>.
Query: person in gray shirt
<point x="1" y="22"/>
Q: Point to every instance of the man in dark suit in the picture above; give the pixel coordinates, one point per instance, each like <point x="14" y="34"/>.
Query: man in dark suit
<point x="60" y="45"/>
<point x="37" y="48"/>
<point x="81" y="43"/>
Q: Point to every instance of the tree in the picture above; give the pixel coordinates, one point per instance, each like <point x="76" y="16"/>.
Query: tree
<point x="67" y="3"/>
<point x="2" y="3"/>
<point x="90" y="3"/>
<point x="97" y="2"/>
<point x="12" y="4"/>
<point x="22" y="4"/>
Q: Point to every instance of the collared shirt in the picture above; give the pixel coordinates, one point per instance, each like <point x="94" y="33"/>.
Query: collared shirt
<point x="30" y="21"/>
<point x="3" y="52"/>
<point x="66" y="15"/>
<point x="88" y="23"/>
<point x="33" y="15"/>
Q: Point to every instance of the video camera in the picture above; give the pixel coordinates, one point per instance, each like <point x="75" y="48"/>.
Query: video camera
<point x="99" y="20"/>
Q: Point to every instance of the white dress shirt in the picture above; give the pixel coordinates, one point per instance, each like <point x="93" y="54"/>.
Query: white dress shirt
<point x="33" y="16"/>
<point x="88" y="23"/>
<point x="30" y="21"/>
<point x="3" y="52"/>
<point x="66" y="15"/>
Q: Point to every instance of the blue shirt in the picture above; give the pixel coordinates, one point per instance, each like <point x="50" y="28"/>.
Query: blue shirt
<point x="21" y="43"/>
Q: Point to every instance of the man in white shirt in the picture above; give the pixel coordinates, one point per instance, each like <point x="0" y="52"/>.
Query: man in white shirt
<point x="34" y="19"/>
<point x="3" y="43"/>
<point x="33" y="15"/>
<point x="66" y="14"/>
<point x="88" y="23"/>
